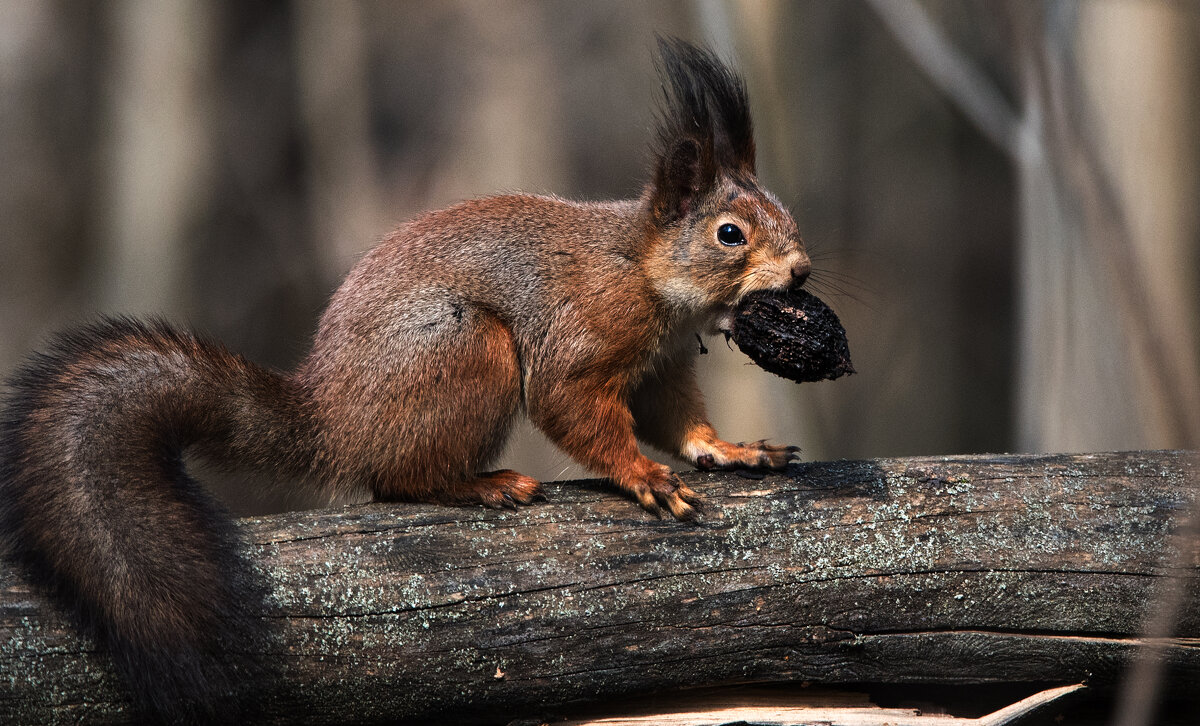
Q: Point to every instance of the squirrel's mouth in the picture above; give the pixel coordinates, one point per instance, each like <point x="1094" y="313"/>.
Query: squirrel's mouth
<point x="723" y="315"/>
<point x="722" y="320"/>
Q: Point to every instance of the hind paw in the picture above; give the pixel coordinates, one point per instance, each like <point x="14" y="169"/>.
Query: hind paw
<point x="503" y="489"/>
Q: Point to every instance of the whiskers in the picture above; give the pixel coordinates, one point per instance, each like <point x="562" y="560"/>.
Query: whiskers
<point x="826" y="282"/>
<point x="823" y="281"/>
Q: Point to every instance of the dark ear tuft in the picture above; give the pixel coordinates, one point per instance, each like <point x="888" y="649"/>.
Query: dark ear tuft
<point x="704" y="128"/>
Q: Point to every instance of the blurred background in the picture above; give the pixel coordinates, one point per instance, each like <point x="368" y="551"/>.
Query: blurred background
<point x="1000" y="197"/>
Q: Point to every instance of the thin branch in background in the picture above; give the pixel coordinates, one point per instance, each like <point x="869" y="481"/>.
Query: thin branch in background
<point x="780" y="711"/>
<point x="951" y="70"/>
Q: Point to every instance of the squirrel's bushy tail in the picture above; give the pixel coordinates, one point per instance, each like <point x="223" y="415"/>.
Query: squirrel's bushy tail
<point x="95" y="503"/>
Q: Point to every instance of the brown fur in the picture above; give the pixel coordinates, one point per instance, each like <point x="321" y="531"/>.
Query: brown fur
<point x="582" y="315"/>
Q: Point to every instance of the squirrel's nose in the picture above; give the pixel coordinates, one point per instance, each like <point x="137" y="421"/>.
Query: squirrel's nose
<point x="800" y="272"/>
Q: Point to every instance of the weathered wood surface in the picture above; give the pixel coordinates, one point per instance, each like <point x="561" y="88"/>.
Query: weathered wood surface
<point x="934" y="570"/>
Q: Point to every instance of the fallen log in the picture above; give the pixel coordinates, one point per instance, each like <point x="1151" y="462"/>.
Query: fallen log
<point x="963" y="570"/>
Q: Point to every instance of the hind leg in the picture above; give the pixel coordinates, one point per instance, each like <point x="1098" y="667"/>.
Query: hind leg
<point x="496" y="489"/>
<point x="436" y="406"/>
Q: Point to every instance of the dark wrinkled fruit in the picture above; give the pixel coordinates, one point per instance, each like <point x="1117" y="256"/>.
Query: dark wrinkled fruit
<point x="792" y="334"/>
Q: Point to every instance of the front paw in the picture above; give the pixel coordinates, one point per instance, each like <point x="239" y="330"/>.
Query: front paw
<point x="757" y="455"/>
<point x="657" y="487"/>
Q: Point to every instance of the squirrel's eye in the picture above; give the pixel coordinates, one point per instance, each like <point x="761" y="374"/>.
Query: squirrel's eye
<point x="730" y="236"/>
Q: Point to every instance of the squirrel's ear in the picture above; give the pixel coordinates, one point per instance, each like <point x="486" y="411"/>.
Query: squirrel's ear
<point x="684" y="172"/>
<point x="704" y="128"/>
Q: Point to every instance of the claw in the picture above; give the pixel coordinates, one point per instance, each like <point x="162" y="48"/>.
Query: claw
<point x="508" y="502"/>
<point x="682" y="510"/>
<point x="691" y="496"/>
<point x="678" y="508"/>
<point x="646" y="500"/>
<point x="683" y="502"/>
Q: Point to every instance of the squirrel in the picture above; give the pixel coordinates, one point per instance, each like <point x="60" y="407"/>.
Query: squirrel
<point x="583" y="315"/>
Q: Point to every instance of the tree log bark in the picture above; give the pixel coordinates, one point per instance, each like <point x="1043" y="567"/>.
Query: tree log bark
<point x="1010" y="569"/>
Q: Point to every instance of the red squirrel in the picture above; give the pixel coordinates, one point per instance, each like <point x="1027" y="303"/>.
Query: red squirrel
<point x="583" y="315"/>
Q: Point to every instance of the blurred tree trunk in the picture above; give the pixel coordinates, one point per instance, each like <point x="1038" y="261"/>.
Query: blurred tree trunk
<point x="1138" y="65"/>
<point x="345" y="208"/>
<point x="509" y="135"/>
<point x="46" y="116"/>
<point x="157" y="158"/>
